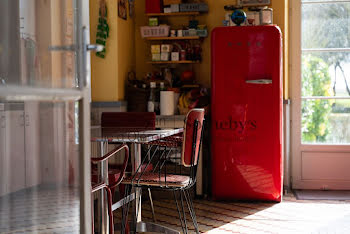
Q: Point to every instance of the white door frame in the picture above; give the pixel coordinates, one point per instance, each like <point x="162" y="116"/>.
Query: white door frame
<point x="299" y="174"/>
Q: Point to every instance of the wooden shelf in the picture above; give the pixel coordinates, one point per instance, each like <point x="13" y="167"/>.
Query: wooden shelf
<point x="174" y="14"/>
<point x="173" y="62"/>
<point x="192" y="13"/>
<point x="171" y="38"/>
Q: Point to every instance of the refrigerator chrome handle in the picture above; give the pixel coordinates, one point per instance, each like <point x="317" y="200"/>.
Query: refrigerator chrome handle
<point x="260" y="81"/>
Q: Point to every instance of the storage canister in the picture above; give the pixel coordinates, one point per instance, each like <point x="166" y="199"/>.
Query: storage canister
<point x="266" y="16"/>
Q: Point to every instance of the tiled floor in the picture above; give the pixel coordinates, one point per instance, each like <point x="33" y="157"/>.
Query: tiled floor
<point x="40" y="210"/>
<point x="43" y="211"/>
<point x="290" y="216"/>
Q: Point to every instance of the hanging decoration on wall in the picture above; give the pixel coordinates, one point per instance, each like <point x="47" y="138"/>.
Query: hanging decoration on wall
<point x="122" y="9"/>
<point x="131" y="8"/>
<point x="102" y="29"/>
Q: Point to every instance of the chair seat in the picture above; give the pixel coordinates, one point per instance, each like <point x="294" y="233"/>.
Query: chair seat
<point x="113" y="175"/>
<point x="171" y="141"/>
<point x="166" y="143"/>
<point x="156" y="180"/>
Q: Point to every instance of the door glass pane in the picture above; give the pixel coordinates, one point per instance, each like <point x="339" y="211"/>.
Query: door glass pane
<point x="326" y="121"/>
<point x="30" y="30"/>
<point x="326" y="74"/>
<point x="39" y="168"/>
<point x="326" y="25"/>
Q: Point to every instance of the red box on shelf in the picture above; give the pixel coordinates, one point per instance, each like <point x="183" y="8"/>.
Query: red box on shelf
<point x="154" y="6"/>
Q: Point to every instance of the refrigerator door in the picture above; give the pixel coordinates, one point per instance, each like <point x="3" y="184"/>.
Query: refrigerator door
<point x="247" y="113"/>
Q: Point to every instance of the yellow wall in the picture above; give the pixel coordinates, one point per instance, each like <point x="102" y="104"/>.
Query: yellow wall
<point x="213" y="19"/>
<point x="281" y="18"/>
<point x="108" y="75"/>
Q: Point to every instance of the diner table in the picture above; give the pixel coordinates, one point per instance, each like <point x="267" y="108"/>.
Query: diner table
<point x="135" y="138"/>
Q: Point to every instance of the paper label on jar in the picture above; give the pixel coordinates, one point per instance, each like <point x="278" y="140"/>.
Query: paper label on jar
<point x="150" y="106"/>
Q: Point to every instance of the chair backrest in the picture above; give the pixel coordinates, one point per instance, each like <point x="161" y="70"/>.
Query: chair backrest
<point x="129" y="120"/>
<point x="192" y="137"/>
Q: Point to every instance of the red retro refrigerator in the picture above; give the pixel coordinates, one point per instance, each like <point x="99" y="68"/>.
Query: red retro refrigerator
<point x="246" y="113"/>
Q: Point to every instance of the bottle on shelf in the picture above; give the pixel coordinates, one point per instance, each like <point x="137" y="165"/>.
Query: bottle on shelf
<point x="157" y="102"/>
<point x="168" y="77"/>
<point x="161" y="86"/>
<point x="152" y="98"/>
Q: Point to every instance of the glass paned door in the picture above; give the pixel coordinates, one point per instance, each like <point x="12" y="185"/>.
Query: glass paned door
<point x="320" y="49"/>
<point x="325" y="72"/>
<point x="44" y="111"/>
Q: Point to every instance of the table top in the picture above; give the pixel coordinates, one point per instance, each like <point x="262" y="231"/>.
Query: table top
<point x="99" y="134"/>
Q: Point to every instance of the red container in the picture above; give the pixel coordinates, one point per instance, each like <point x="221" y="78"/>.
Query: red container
<point x="247" y="113"/>
<point x="153" y="6"/>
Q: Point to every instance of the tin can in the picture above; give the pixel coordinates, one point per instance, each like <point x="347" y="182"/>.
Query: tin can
<point x="173" y="33"/>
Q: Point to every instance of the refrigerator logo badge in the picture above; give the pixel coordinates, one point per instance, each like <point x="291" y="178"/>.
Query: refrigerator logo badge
<point x="236" y="125"/>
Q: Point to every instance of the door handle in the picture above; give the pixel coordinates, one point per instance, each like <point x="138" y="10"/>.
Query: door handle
<point x="260" y="81"/>
<point x="84" y="81"/>
<point x="94" y="47"/>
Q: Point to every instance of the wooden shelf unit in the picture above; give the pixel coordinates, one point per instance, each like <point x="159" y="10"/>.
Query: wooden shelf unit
<point x="192" y="13"/>
<point x="175" y="14"/>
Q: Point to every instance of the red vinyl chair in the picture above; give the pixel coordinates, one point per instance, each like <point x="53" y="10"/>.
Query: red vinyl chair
<point x="127" y="122"/>
<point x="98" y="187"/>
<point x="113" y="183"/>
<point x="178" y="180"/>
<point x="124" y="122"/>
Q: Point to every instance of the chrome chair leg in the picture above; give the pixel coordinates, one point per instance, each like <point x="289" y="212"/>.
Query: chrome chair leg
<point x="183" y="211"/>
<point x="92" y="215"/>
<point x="125" y="209"/>
<point x="178" y="210"/>
<point x="191" y="210"/>
<point x="151" y="203"/>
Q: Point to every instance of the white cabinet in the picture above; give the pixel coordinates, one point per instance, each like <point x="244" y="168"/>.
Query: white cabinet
<point x="53" y="161"/>
<point x="3" y="167"/>
<point x="14" y="140"/>
<point x="32" y="138"/>
<point x="18" y="146"/>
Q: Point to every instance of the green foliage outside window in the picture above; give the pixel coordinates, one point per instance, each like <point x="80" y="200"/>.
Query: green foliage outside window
<point x="315" y="112"/>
